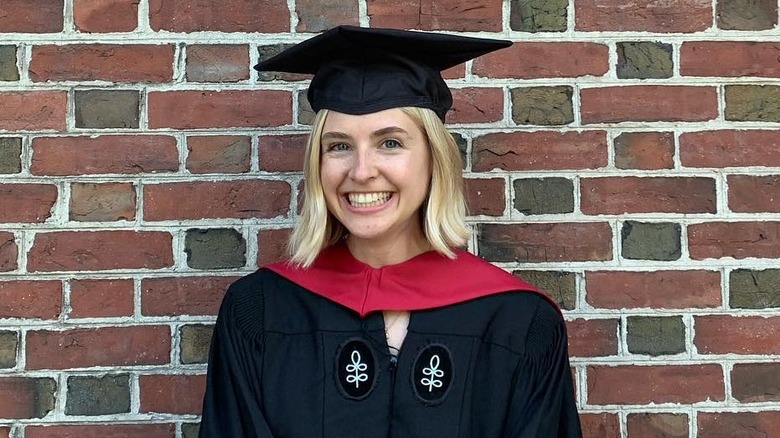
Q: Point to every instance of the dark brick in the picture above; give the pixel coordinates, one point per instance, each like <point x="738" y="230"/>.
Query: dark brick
<point x="219" y="154"/>
<point x="215" y="249"/>
<point x="747" y="14"/>
<point x="319" y="15"/>
<point x="561" y="286"/>
<point x="644" y="150"/>
<point x="538" y="15"/>
<point x="305" y="113"/>
<point x="651" y="241"/>
<point x="750" y="289"/>
<point x="10" y="155"/>
<point x="644" y="60"/>
<point x="217" y="63"/>
<point x="755" y="103"/>
<point x="107" y="109"/>
<point x="32" y="397"/>
<point x="195" y="342"/>
<point x="266" y="52"/>
<point x="756" y="382"/>
<point x="542" y="106"/>
<point x="657" y="425"/>
<point x="9" y="344"/>
<point x="462" y="147"/>
<point x="656" y="335"/>
<point x="9" y="71"/>
<point x="543" y="195"/>
<point x="91" y="395"/>
<point x="190" y="430"/>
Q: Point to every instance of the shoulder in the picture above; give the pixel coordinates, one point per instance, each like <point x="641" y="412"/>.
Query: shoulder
<point x="243" y="306"/>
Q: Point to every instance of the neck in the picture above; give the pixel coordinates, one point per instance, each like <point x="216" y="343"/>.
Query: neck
<point x="388" y="252"/>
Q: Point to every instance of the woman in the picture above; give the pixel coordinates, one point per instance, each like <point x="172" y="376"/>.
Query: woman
<point x="379" y="326"/>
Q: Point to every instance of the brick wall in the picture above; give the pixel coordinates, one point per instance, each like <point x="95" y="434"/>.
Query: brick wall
<point x="625" y="156"/>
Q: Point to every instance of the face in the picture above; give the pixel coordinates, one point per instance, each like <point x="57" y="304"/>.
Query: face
<point x="375" y="171"/>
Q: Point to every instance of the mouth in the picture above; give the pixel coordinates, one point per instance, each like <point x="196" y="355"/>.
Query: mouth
<point x="365" y="200"/>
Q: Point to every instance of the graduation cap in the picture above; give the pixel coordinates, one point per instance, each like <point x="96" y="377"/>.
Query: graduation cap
<point x="364" y="70"/>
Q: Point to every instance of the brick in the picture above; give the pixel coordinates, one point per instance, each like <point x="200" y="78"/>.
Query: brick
<point x="540" y="150"/>
<point x="618" y="195"/>
<point x="97" y="347"/>
<point x="656" y="289"/>
<point x="272" y="245"/>
<point x="746" y="14"/>
<point x="560" y="286"/>
<point x="105" y="154"/>
<point x="485" y="196"/>
<point x="648" y="103"/>
<point x="601" y="425"/>
<point x="684" y="16"/>
<point x="195" y="343"/>
<point x="282" y="153"/>
<point x="644" y="60"/>
<point x="183" y="295"/>
<point x="440" y="15"/>
<point x="26" y="397"/>
<point x="644" y="150"/>
<point x="546" y="242"/>
<point x="31" y="16"/>
<point x="175" y="394"/>
<point x="533" y="60"/>
<point x="219" y="109"/>
<point x="321" y="15"/>
<point x="305" y="112"/>
<point x="738" y="424"/>
<point x="657" y="425"/>
<point x="156" y="430"/>
<point x="9" y="71"/>
<point x="267" y="16"/>
<point x="100" y="250"/>
<point x="217" y="63"/>
<point x="27" y="203"/>
<point x="754" y="194"/>
<point x="5" y="432"/>
<point x="100" y="16"/>
<point x="219" y="154"/>
<point x="106" y="108"/>
<point x="538" y="15"/>
<point x="190" y="430"/>
<point x="734" y="239"/>
<point x="33" y="110"/>
<point x="593" y="337"/>
<point x="220" y="248"/>
<point x="38" y="299"/>
<point x="752" y="103"/>
<point x="729" y="58"/>
<point x="103" y="395"/>
<point x="753" y="289"/>
<point x="9" y="252"/>
<point x="102" y="201"/>
<point x="725" y="334"/>
<point x="631" y="384"/>
<point x="651" y="241"/>
<point x="542" y="105"/>
<point x="227" y="199"/>
<point x="9" y="346"/>
<point x="102" y="62"/>
<point x="476" y="105"/>
<point x="730" y="148"/>
<point x="10" y="155"/>
<point x="98" y="298"/>
<point x="655" y="335"/>
<point x="265" y="52"/>
<point x="543" y="195"/>
<point x="756" y="382"/>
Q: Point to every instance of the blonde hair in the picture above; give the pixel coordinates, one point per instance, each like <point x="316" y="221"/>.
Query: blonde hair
<point x="443" y="211"/>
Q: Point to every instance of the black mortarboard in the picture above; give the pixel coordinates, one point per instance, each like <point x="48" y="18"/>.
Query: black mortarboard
<point x="364" y="70"/>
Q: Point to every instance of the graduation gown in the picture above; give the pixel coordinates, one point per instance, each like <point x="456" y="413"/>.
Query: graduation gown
<point x="303" y="353"/>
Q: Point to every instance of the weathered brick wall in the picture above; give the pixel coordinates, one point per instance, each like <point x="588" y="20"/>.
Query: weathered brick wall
<point x="625" y="156"/>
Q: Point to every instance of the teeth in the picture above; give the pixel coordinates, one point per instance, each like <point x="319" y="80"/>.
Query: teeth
<point x="368" y="199"/>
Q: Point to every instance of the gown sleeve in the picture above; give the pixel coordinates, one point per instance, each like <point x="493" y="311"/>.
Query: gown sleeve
<point x="232" y="404"/>
<point x="543" y="403"/>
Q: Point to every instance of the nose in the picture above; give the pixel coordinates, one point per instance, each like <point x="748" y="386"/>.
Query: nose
<point x="363" y="167"/>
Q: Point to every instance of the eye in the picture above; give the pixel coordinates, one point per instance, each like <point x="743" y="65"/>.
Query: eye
<point x="335" y="147"/>
<point x="391" y="144"/>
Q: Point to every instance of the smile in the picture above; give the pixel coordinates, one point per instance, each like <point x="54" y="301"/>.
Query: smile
<point x="362" y="200"/>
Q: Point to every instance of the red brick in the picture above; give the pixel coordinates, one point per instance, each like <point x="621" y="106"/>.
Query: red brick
<point x="164" y="430"/>
<point x="268" y="16"/>
<point x="102" y="201"/>
<point x="725" y="334"/>
<point x="730" y="148"/>
<point x="217" y="63"/>
<point x="540" y="150"/>
<point x="31" y="16"/>
<point x="214" y="109"/>
<point x="734" y="239"/>
<point x="22" y="397"/>
<point x="729" y="58"/>
<point x="96" y="298"/>
<point x="100" y="250"/>
<point x="546" y="242"/>
<point x="644" y="150"/>
<point x="657" y="425"/>
<point x="216" y="199"/>
<point x="126" y="154"/>
<point x="756" y="382"/>
<point x="95" y="347"/>
<point x="33" y="110"/>
<point x="30" y="299"/>
<point x="31" y="203"/>
<point x="320" y="15"/>
<point x="531" y="60"/>
<point x="219" y="154"/>
<point x="593" y="337"/>
<point x="9" y="253"/>
<point x="476" y="105"/>
<point x="282" y="153"/>
<point x="435" y="15"/>
<point x="738" y="424"/>
<point x="754" y="194"/>
<point x="643" y="15"/>
<point x="105" y="15"/>
<point x="601" y="425"/>
<point x="653" y="289"/>
<point x="175" y="296"/>
<point x="630" y="384"/>
<point x="174" y="394"/>
<point x="485" y="196"/>
<point x="648" y="103"/>
<point x="617" y="195"/>
<point x="102" y="62"/>
<point x="4" y="431"/>
<point x="272" y="245"/>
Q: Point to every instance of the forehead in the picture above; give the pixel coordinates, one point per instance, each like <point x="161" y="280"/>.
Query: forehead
<point x="366" y="124"/>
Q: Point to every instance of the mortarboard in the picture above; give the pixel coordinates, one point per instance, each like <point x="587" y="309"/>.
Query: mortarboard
<point x="364" y="70"/>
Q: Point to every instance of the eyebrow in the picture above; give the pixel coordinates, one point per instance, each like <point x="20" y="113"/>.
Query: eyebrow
<point x="378" y="133"/>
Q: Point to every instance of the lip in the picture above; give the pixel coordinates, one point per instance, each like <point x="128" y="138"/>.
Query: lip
<point x="365" y="210"/>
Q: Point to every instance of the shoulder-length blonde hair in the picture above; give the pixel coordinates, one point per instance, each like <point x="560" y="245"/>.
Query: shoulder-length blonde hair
<point x="443" y="212"/>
